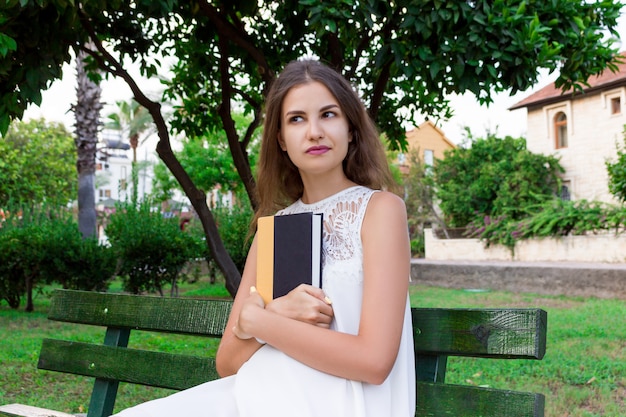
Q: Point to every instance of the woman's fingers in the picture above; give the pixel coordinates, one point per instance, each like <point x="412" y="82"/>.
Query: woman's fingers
<point x="304" y="303"/>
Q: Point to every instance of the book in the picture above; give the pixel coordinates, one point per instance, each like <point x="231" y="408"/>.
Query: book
<point x="289" y="253"/>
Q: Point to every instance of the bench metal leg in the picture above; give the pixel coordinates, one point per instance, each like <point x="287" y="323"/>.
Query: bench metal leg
<point x="104" y="391"/>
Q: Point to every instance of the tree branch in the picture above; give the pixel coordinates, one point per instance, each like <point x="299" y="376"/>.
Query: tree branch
<point x="237" y="150"/>
<point x="228" y="31"/>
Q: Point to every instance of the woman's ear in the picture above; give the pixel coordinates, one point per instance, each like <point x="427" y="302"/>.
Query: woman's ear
<point x="281" y="142"/>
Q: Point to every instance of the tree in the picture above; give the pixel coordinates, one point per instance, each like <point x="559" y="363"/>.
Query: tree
<point x="617" y="173"/>
<point x="493" y="177"/>
<point x="87" y="115"/>
<point x="36" y="165"/>
<point x="399" y="54"/>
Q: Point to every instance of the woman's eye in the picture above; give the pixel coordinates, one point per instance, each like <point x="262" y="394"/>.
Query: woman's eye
<point x="295" y="119"/>
<point x="328" y="114"/>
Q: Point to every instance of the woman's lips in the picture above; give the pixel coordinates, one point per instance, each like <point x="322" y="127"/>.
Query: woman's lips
<point x="317" y="150"/>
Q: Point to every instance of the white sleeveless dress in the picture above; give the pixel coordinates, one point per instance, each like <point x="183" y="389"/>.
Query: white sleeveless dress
<point x="272" y="384"/>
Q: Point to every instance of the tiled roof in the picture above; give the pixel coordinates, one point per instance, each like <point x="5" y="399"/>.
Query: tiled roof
<point x="548" y="94"/>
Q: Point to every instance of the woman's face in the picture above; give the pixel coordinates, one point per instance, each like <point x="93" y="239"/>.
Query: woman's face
<point x="314" y="132"/>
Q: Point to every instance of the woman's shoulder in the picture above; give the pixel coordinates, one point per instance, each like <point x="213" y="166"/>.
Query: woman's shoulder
<point x="384" y="206"/>
<point x="387" y="200"/>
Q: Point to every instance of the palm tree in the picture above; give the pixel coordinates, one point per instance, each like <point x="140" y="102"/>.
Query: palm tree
<point x="132" y="120"/>
<point x="87" y="115"/>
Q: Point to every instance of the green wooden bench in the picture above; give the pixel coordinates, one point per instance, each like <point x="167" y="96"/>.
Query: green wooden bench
<point x="439" y="333"/>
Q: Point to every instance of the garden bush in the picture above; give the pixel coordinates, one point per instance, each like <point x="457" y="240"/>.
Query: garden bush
<point x="151" y="249"/>
<point x="617" y="173"/>
<point x="494" y="177"/>
<point x="43" y="246"/>
<point x="553" y="218"/>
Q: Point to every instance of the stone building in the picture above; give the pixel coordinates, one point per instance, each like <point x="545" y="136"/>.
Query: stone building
<point x="583" y="128"/>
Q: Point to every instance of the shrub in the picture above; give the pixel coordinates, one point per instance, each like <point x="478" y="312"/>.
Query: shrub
<point x="17" y="262"/>
<point x="233" y="224"/>
<point x="617" y="174"/>
<point x="45" y="246"/>
<point x="494" y="177"/>
<point x="553" y="218"/>
<point x="152" y="249"/>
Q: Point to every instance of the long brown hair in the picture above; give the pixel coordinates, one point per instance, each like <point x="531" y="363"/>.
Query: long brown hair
<point x="279" y="183"/>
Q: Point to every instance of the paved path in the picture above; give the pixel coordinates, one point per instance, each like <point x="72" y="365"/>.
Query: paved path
<point x="603" y="280"/>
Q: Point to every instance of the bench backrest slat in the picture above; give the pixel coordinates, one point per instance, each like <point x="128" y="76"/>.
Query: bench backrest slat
<point x="159" y="369"/>
<point x="504" y="333"/>
<point x="175" y="315"/>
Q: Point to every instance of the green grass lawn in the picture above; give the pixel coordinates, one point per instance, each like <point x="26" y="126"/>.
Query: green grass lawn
<point x="582" y="374"/>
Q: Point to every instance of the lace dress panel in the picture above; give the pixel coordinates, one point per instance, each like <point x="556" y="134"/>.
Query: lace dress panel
<point x="342" y="251"/>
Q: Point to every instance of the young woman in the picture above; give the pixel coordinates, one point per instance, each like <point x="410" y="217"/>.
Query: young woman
<point x="346" y="350"/>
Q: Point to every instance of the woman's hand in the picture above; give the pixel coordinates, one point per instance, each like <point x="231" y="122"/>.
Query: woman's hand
<point x="305" y="303"/>
<point x="252" y="303"/>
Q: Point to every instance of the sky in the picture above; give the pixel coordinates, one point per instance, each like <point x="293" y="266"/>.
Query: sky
<point x="495" y="118"/>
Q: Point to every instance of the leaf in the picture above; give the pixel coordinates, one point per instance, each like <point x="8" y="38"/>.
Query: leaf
<point x="7" y="44"/>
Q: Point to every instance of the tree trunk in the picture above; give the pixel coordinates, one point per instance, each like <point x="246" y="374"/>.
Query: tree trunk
<point x="87" y="115"/>
<point x="198" y="201"/>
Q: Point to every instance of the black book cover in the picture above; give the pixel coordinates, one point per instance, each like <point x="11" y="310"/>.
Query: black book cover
<point x="289" y="253"/>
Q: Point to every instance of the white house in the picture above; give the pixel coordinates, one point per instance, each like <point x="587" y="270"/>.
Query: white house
<point x="582" y="128"/>
<point x="114" y="170"/>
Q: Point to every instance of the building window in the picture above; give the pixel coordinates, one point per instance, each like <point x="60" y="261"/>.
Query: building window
<point x="565" y="191"/>
<point x="616" y="105"/>
<point x="560" y="130"/>
<point x="429" y="157"/>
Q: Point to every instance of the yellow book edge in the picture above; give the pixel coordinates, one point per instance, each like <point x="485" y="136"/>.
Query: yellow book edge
<point x="265" y="258"/>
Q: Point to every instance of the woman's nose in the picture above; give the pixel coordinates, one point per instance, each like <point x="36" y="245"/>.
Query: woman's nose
<point x="315" y="130"/>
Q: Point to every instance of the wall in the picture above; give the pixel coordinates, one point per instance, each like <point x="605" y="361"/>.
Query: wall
<point x="608" y="247"/>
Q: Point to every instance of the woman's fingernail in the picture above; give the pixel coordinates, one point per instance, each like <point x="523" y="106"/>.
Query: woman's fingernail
<point x="327" y="300"/>
<point x="252" y="289"/>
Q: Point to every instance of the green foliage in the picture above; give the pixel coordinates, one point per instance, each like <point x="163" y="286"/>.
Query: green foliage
<point x="553" y="218"/>
<point x="422" y="51"/>
<point x="617" y="173"/>
<point x="419" y="200"/>
<point x="401" y="54"/>
<point x="19" y="255"/>
<point x="76" y="262"/>
<point x="163" y="183"/>
<point x="35" y="42"/>
<point x="44" y="246"/>
<point x="38" y="164"/>
<point x="208" y="161"/>
<point x="233" y="224"/>
<point x="152" y="249"/>
<point x="494" y="177"/>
